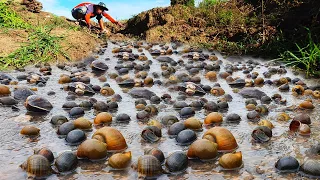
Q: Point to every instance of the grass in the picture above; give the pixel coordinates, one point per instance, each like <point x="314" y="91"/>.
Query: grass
<point x="307" y="57"/>
<point x="41" y="46"/>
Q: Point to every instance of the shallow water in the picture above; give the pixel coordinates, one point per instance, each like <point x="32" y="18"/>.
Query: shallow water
<point x="259" y="159"/>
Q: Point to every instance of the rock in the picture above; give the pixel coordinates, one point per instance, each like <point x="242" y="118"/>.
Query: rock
<point x="252" y="93"/>
<point x="164" y="59"/>
<point x="8" y="101"/>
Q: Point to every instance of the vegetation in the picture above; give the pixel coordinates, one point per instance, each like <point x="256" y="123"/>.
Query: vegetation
<point x="183" y="2"/>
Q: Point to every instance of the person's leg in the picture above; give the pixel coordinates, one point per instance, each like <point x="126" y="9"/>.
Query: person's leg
<point x="79" y="13"/>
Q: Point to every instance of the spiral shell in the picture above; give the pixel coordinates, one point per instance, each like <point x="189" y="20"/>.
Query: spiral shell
<point x="103" y="118"/>
<point x="223" y="137"/>
<point x="266" y="123"/>
<point x="231" y="160"/>
<point x="120" y="160"/>
<point x="112" y="137"/>
<point x="193" y="123"/>
<point x="82" y="123"/>
<point x="107" y="91"/>
<point x="306" y="105"/>
<point x="149" y="166"/>
<point x="203" y="149"/>
<point x="217" y="91"/>
<point x="283" y="117"/>
<point x="213" y="118"/>
<point x="92" y="149"/>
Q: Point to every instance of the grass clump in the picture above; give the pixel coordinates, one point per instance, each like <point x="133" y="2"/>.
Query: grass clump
<point x="307" y="57"/>
<point x="41" y="47"/>
<point x="10" y="19"/>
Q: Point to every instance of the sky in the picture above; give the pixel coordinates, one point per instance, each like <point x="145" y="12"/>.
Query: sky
<point x="118" y="9"/>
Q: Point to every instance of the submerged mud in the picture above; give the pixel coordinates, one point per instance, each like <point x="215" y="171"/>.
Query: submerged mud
<point x="258" y="158"/>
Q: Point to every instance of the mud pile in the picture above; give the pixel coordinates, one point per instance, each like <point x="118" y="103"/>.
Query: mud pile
<point x="33" y="5"/>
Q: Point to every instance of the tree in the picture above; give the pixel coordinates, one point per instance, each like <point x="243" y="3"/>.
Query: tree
<point x="182" y="2"/>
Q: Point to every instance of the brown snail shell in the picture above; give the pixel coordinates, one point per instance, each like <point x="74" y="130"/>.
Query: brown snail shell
<point x="92" y="149"/>
<point x="211" y="75"/>
<point x="103" y="118"/>
<point x="4" y="90"/>
<point x="156" y="153"/>
<point x="107" y="91"/>
<point x="213" y="118"/>
<point x="120" y="160"/>
<point x="251" y="107"/>
<point x="140" y="106"/>
<point x="149" y="166"/>
<point x="302" y="129"/>
<point x="266" y="123"/>
<point x="283" y="117"/>
<point x="47" y="153"/>
<point x="64" y="79"/>
<point x="82" y="123"/>
<point x="298" y="89"/>
<point x="112" y="137"/>
<point x="224" y="75"/>
<point x="148" y="81"/>
<point x="316" y="94"/>
<point x="203" y="149"/>
<point x="223" y="137"/>
<point x="217" y="91"/>
<point x="259" y="81"/>
<point x="262" y="109"/>
<point x="154" y="122"/>
<point x="306" y="105"/>
<point x="303" y="118"/>
<point x="231" y="160"/>
<point x="37" y="165"/>
<point x="30" y="131"/>
<point x="308" y="92"/>
<point x="193" y="123"/>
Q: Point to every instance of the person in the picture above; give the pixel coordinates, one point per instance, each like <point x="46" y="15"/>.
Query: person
<point x="86" y="11"/>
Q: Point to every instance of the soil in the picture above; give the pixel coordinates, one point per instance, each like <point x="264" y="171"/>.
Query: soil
<point x="11" y="41"/>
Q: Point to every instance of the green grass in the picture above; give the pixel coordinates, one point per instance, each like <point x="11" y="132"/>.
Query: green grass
<point x="41" y="46"/>
<point x="307" y="57"/>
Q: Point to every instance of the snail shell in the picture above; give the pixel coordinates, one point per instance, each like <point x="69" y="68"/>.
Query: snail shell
<point x="112" y="137"/>
<point x="193" y="124"/>
<point x="4" y="90"/>
<point x="213" y="118"/>
<point x="177" y="162"/>
<point x="156" y="153"/>
<point x="37" y="165"/>
<point x="186" y="137"/>
<point x="47" y="153"/>
<point x="154" y="122"/>
<point x="92" y="149"/>
<point x="211" y="75"/>
<point x="107" y="91"/>
<point x="283" y="117"/>
<point x="217" y="91"/>
<point x="30" y="131"/>
<point x="311" y="168"/>
<point x="223" y="137"/>
<point x="316" y="94"/>
<point x="176" y="128"/>
<point x="306" y="105"/>
<point x="151" y="134"/>
<point x="262" y="134"/>
<point x="231" y="160"/>
<point x="203" y="149"/>
<point x="298" y="89"/>
<point x="266" y="123"/>
<point x="149" y="166"/>
<point x="82" y="123"/>
<point x="103" y="118"/>
<point x="66" y="161"/>
<point x="120" y="160"/>
<point x="287" y="164"/>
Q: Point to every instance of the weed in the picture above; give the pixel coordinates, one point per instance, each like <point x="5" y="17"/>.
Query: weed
<point x="41" y="47"/>
<point x="307" y="57"/>
<point x="10" y="19"/>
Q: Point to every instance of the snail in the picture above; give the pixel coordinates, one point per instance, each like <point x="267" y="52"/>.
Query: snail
<point x="231" y="160"/>
<point x="103" y="118"/>
<point x="203" y="149"/>
<point x="262" y="134"/>
<point x="92" y="149"/>
<point x="213" y="118"/>
<point x="287" y="164"/>
<point x="112" y="137"/>
<point x="82" y="123"/>
<point x="223" y="137"/>
<point x="120" y="160"/>
<point x="193" y="124"/>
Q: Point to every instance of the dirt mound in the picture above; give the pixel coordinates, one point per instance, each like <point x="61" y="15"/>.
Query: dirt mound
<point x="33" y="5"/>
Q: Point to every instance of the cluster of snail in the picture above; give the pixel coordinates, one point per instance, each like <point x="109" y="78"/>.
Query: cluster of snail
<point x="217" y="144"/>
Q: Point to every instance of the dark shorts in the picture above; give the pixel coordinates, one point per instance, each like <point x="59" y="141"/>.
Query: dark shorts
<point x="79" y="13"/>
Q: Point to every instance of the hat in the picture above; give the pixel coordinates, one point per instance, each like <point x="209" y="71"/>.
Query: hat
<point x="103" y="6"/>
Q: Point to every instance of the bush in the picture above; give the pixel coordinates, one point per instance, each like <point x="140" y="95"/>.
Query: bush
<point x="182" y="2"/>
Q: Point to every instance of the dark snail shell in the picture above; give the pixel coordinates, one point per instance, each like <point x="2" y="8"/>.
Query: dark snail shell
<point x="233" y="117"/>
<point x="66" y="161"/>
<point x="149" y="166"/>
<point x="169" y="120"/>
<point x="38" y="166"/>
<point x="75" y="137"/>
<point x="303" y="118"/>
<point x="37" y="103"/>
<point x="186" y="137"/>
<point x="112" y="137"/>
<point x="203" y="149"/>
<point x="156" y="153"/>
<point x="92" y="149"/>
<point x="21" y="94"/>
<point x="47" y="153"/>
<point x="58" y="120"/>
<point x="176" y="128"/>
<point x="177" y="162"/>
<point x="98" y="66"/>
<point x="151" y="134"/>
<point x="287" y="164"/>
<point x="261" y="134"/>
<point x="310" y="168"/>
<point x="76" y="112"/>
<point x="65" y="128"/>
<point x="187" y="112"/>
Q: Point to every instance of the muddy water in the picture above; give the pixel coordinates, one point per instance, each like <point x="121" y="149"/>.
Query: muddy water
<point x="259" y="159"/>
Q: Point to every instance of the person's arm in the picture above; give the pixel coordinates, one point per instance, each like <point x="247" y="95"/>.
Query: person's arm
<point x="87" y="18"/>
<point x="106" y="15"/>
<point x="101" y="24"/>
